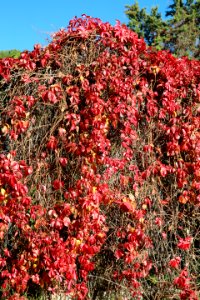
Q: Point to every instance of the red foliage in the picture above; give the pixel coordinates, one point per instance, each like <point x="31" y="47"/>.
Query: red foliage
<point x="185" y="244"/>
<point x="174" y="263"/>
<point x="111" y="102"/>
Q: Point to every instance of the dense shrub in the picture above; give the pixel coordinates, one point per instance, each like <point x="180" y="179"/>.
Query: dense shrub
<point x="99" y="168"/>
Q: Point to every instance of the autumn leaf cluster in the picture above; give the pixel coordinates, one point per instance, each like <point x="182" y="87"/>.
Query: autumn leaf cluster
<point x="99" y="168"/>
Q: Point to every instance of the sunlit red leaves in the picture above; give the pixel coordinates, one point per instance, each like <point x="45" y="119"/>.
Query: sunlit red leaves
<point x="58" y="184"/>
<point x="185" y="243"/>
<point x="5" y="67"/>
<point x="49" y="96"/>
<point x="52" y="143"/>
<point x="122" y="133"/>
<point x="21" y="126"/>
<point x="147" y="148"/>
<point x="53" y="94"/>
<point x="119" y="254"/>
<point x="182" y="281"/>
<point x="158" y="221"/>
<point x="30" y="101"/>
<point x="73" y="121"/>
<point x="63" y="161"/>
<point x="175" y="262"/>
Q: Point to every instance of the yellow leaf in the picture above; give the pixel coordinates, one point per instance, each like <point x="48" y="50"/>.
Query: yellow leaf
<point x="3" y="193"/>
<point x="5" y="129"/>
<point x="133" y="201"/>
<point x="94" y="188"/>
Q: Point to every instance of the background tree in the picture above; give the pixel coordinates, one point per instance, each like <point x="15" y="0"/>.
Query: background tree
<point x="179" y="32"/>
<point x="10" y="53"/>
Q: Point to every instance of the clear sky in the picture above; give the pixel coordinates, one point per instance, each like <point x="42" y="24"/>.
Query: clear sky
<point x="24" y="23"/>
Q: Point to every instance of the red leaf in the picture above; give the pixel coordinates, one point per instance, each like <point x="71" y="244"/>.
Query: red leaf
<point x="66" y="221"/>
<point x="118" y="254"/>
<point x="63" y="161"/>
<point x="52" y="144"/>
<point x="127" y="206"/>
<point x="174" y="263"/>
<point x="49" y="96"/>
<point x="185" y="244"/>
<point x="58" y="184"/>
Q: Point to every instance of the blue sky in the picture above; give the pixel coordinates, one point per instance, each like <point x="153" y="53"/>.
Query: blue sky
<point x="24" y="23"/>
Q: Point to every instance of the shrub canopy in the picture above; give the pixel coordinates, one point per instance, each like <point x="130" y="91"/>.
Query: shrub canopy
<point x="99" y="168"/>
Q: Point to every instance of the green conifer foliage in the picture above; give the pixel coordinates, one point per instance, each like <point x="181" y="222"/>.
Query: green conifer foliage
<point x="179" y="33"/>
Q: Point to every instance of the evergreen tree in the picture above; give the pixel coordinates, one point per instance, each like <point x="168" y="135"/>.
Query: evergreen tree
<point x="179" y="33"/>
